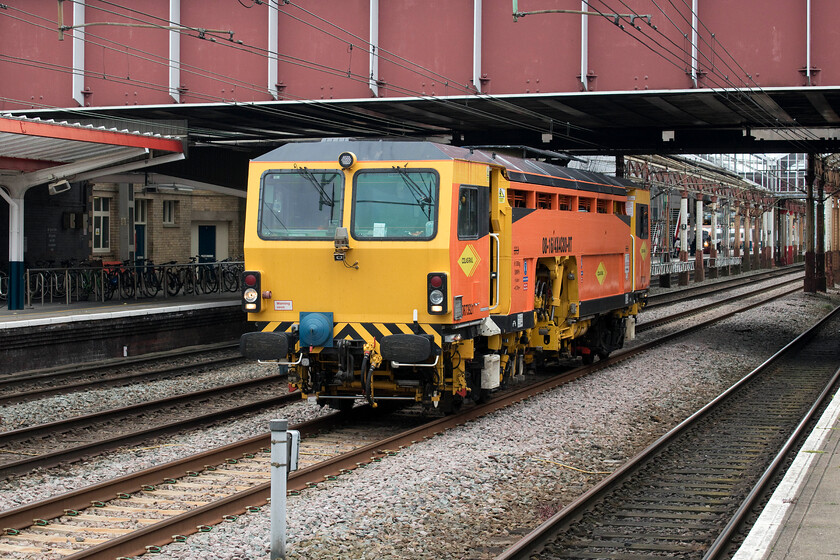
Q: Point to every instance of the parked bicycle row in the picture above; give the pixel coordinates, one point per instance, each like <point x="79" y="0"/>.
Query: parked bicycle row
<point x="126" y="280"/>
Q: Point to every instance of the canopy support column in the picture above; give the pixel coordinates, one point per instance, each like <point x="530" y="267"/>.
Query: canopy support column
<point x="16" y="287"/>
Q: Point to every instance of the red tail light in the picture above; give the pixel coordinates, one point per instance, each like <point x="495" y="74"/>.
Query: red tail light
<point x="251" y="300"/>
<point x="437" y="297"/>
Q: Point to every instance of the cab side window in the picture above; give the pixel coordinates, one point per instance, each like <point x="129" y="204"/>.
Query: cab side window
<point x="642" y="221"/>
<point x="468" y="213"/>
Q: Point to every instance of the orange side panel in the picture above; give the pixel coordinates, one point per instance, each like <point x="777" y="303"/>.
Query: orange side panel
<point x="601" y="243"/>
<point x="601" y="276"/>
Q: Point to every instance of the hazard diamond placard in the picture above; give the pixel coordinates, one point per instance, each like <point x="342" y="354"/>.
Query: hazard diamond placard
<point x="601" y="273"/>
<point x="469" y="260"/>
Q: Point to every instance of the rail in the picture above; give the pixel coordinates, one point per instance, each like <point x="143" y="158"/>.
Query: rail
<point x="128" y="280"/>
<point x="710" y="446"/>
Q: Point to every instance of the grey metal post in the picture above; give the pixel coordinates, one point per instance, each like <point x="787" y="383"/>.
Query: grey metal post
<point x="279" y="473"/>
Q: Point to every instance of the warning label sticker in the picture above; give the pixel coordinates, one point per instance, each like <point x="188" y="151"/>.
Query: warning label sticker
<point x="601" y="273"/>
<point x="469" y="259"/>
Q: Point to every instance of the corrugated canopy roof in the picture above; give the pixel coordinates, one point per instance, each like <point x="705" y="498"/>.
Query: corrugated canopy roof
<point x="30" y="145"/>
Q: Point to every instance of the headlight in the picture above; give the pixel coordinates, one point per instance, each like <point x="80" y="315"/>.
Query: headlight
<point x="436" y="297"/>
<point x="250" y="295"/>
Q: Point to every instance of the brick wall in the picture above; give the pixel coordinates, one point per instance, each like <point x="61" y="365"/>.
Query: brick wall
<point x="168" y="242"/>
<point x="173" y="242"/>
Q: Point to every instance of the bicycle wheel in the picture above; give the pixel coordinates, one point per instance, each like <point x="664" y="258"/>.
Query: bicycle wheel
<point x="189" y="282"/>
<point x="211" y="281"/>
<point x="151" y="283"/>
<point x="173" y="282"/>
<point x="127" y="284"/>
<point x="230" y="280"/>
<point x="112" y="283"/>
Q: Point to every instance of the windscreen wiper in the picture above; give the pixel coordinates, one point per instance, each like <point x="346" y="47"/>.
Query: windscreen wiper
<point x="424" y="200"/>
<point x="325" y="199"/>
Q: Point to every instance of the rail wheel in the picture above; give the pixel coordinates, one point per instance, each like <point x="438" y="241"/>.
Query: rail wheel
<point x="450" y="404"/>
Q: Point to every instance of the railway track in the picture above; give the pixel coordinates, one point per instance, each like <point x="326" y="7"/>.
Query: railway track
<point x="207" y="508"/>
<point x="93" y="522"/>
<point x="23" y="449"/>
<point x="686" y="494"/>
<point x="743" y="277"/>
<point x="792" y="285"/>
<point x="70" y="439"/>
<point x="684" y="294"/>
<point x="37" y="384"/>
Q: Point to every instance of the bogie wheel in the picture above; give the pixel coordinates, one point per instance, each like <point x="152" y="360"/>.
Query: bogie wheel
<point x="343" y="405"/>
<point x="450" y="404"/>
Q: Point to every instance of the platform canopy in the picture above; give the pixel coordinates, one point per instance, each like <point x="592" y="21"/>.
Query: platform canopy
<point x="37" y="152"/>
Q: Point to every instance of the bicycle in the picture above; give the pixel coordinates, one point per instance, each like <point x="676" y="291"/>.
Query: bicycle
<point x="111" y="283"/>
<point x="206" y="275"/>
<point x="173" y="278"/>
<point x="231" y="271"/>
<point x="86" y="281"/>
<point x="149" y="278"/>
<point x="128" y="281"/>
<point x="189" y="276"/>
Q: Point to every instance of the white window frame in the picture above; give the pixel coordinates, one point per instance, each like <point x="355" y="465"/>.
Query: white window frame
<point x="141" y="206"/>
<point x="169" y="207"/>
<point x="101" y="224"/>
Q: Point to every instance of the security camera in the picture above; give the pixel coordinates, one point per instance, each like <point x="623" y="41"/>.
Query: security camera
<point x="59" y="187"/>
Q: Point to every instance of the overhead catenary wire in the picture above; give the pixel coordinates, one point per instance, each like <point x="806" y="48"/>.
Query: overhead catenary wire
<point x="388" y="56"/>
<point x="552" y="126"/>
<point x="755" y="115"/>
<point x="149" y="85"/>
<point x="189" y="69"/>
<point x="384" y="54"/>
<point x="769" y="120"/>
<point x="478" y="113"/>
<point x="740" y="67"/>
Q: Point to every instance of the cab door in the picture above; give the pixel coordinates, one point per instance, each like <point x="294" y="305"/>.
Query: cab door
<point x="471" y="249"/>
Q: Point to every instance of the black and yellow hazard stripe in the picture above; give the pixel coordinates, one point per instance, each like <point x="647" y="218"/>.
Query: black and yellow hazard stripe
<point x="277" y="326"/>
<point x="366" y="332"/>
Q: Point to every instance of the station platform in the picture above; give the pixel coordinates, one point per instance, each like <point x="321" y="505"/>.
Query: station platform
<point x="802" y="518"/>
<point x="51" y="335"/>
<point x="56" y="313"/>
